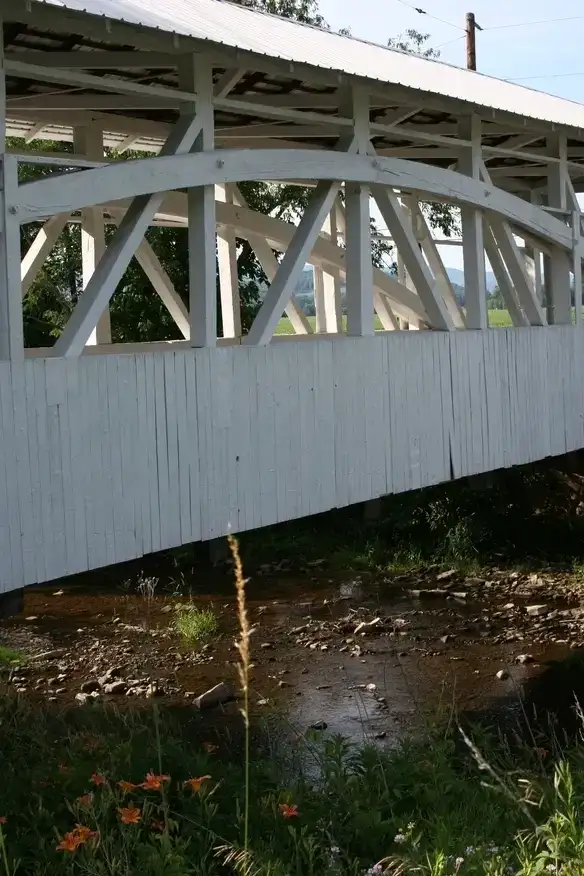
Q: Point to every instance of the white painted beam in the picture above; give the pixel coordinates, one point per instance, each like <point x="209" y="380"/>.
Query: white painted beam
<point x="473" y="248"/>
<point x="11" y="328"/>
<point x="280" y="292"/>
<point x="196" y="72"/>
<point x="87" y="80"/>
<point x="430" y="250"/>
<point x="96" y="60"/>
<point x="407" y="245"/>
<point x="518" y="318"/>
<point x="150" y="264"/>
<point x="39" y="249"/>
<point x="112" y="266"/>
<point x="513" y="259"/>
<point x="228" y="81"/>
<point x="557" y="265"/>
<point x="120" y="180"/>
<point x="34" y="132"/>
<point x="269" y="262"/>
<point x="327" y="285"/>
<point x="228" y="275"/>
<point x="358" y="225"/>
<point x="90" y="142"/>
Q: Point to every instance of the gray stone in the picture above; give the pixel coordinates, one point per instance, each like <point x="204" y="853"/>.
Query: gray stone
<point x="90" y="685"/>
<point x="319" y="725"/>
<point x="215" y="696"/>
<point x="537" y="610"/>
<point x="502" y="675"/>
<point x="116" y="687"/>
<point x="524" y="658"/>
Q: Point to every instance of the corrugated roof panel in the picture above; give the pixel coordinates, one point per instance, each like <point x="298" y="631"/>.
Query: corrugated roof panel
<point x="248" y="30"/>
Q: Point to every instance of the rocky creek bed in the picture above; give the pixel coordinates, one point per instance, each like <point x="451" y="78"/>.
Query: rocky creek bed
<point x="352" y="654"/>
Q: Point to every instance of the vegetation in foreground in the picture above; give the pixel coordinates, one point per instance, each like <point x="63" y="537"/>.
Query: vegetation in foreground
<point x="10" y="657"/>
<point x="196" y="625"/>
<point x="94" y="791"/>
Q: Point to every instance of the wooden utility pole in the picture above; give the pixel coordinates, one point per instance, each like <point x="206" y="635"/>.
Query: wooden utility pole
<point x="471" y="46"/>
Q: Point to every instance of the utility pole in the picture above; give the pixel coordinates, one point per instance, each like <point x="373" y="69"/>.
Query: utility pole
<point x="471" y="46"/>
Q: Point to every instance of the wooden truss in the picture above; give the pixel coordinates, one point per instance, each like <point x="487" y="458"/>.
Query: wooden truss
<point x="194" y="178"/>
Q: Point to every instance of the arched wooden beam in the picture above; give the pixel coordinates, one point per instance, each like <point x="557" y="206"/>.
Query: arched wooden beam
<point x="279" y="233"/>
<point x="73" y="191"/>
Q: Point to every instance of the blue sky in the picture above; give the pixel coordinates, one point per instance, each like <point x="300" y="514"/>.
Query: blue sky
<point x="546" y="51"/>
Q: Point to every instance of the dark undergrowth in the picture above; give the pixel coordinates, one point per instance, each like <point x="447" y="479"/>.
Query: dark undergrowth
<point x="97" y="792"/>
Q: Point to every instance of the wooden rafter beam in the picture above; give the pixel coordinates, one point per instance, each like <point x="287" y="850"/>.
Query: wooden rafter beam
<point x="97" y="60"/>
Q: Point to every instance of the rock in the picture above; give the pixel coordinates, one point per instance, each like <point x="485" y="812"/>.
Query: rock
<point x="90" y="685"/>
<point x="509" y="606"/>
<point x="446" y="576"/>
<point x="221" y="693"/>
<point x="537" y="610"/>
<point x="58" y="593"/>
<point x="154" y="690"/>
<point x="282" y="683"/>
<point x="49" y="655"/>
<point x="366" y="625"/>
<point x="267" y="645"/>
<point x="319" y="725"/>
<point x="112" y="673"/>
<point x="32" y="617"/>
<point x="445" y="639"/>
<point x="80" y="697"/>
<point x="116" y="687"/>
<point x="380" y="735"/>
<point x="502" y="675"/>
<point x="524" y="658"/>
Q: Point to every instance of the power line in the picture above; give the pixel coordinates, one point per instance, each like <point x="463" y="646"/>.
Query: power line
<point x="544" y="76"/>
<point x="530" y="23"/>
<point x="421" y="11"/>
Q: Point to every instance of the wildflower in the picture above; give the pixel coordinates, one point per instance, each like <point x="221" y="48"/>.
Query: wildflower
<point x="470" y="850"/>
<point x="210" y="747"/>
<point x="84" y="833"/>
<point x="153" y="782"/>
<point x="288" y="811"/>
<point x="458" y="863"/>
<point x="399" y="838"/>
<point x="552" y="868"/>
<point x="97" y="779"/>
<point x="85" y="800"/>
<point x="3" y="819"/>
<point x="195" y="784"/>
<point x="64" y="769"/>
<point x="130" y="815"/>
<point x="375" y="870"/>
<point x="156" y="824"/>
<point x="70" y="842"/>
<point x="541" y="752"/>
<point x="127" y="786"/>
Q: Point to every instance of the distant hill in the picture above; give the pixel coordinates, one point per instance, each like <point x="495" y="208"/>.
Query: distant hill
<point x="457" y="277"/>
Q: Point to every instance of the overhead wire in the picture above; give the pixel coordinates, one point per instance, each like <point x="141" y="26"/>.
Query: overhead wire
<point x="421" y="11"/>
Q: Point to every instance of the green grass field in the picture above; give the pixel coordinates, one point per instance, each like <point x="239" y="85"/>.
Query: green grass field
<point x="497" y="319"/>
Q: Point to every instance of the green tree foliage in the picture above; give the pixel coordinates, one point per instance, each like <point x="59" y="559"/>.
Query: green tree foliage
<point x="137" y="313"/>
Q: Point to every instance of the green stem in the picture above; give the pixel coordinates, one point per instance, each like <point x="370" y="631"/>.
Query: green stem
<point x="4" y="852"/>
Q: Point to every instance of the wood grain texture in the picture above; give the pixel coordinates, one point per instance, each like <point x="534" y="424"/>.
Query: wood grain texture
<point x="107" y="458"/>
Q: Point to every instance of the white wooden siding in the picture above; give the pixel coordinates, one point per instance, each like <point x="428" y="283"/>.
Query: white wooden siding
<point x="107" y="458"/>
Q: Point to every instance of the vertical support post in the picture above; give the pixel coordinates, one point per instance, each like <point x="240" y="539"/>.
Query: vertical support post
<point x="196" y="75"/>
<point x="327" y="287"/>
<point x="358" y="227"/>
<point x="557" y="264"/>
<point x="473" y="245"/>
<point x="89" y="142"/>
<point x="11" y="329"/>
<point x="577" y="263"/>
<point x="228" y="275"/>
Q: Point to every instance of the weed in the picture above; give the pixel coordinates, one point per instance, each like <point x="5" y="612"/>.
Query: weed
<point x="196" y="625"/>
<point x="10" y="657"/>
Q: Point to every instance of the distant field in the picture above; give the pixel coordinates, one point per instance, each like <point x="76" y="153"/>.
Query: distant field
<point x="497" y="319"/>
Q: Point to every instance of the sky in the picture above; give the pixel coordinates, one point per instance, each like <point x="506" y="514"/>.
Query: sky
<point x="548" y="56"/>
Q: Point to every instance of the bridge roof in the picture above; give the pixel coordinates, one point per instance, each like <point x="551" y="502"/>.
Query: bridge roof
<point x="236" y="27"/>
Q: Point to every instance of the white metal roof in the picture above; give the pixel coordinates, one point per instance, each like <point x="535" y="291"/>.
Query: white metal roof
<point x="248" y="30"/>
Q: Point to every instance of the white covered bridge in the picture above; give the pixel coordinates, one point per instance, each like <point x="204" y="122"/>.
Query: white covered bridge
<point x="111" y="451"/>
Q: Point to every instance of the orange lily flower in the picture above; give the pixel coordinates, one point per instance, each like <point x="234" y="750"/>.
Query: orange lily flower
<point x="195" y="784"/>
<point x="85" y="800"/>
<point x="3" y="819"/>
<point x="70" y="842"/>
<point x="127" y="786"/>
<point x="288" y="811"/>
<point x="97" y="779"/>
<point x="130" y="815"/>
<point x="154" y="782"/>
<point x="84" y="833"/>
<point x="210" y="747"/>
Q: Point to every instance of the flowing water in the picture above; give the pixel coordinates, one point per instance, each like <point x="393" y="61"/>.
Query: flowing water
<point x="360" y="657"/>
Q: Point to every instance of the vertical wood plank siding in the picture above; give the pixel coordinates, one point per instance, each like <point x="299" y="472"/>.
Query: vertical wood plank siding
<point x="107" y="458"/>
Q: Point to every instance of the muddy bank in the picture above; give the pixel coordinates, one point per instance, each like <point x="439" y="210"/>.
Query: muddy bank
<point x="359" y="656"/>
